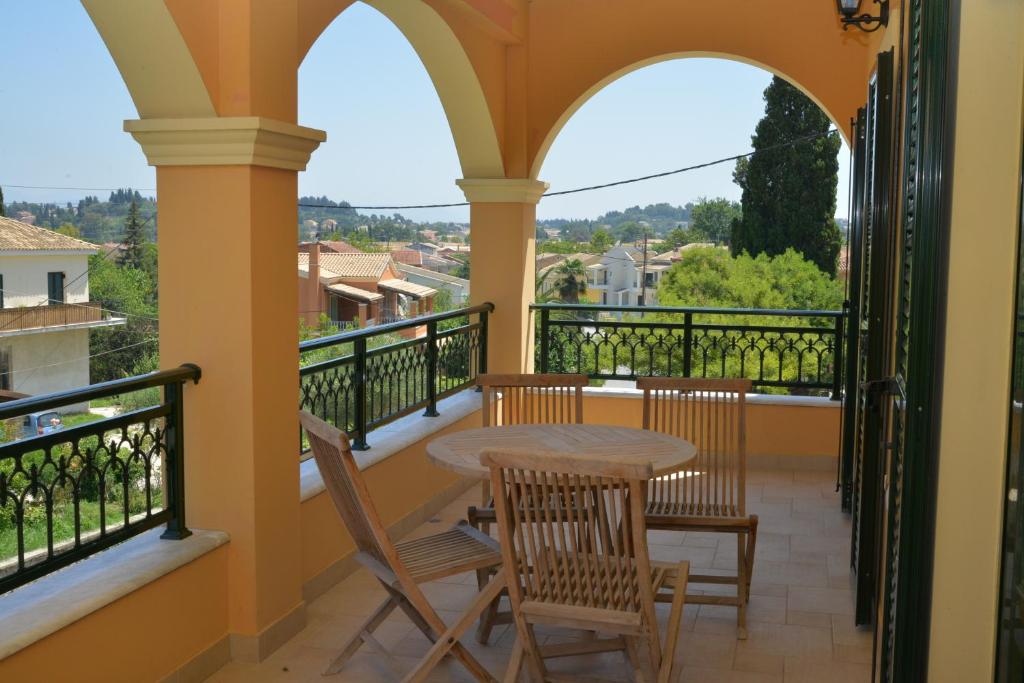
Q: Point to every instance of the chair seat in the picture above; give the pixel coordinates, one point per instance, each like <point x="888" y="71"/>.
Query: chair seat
<point x="695" y="510"/>
<point x="460" y="549"/>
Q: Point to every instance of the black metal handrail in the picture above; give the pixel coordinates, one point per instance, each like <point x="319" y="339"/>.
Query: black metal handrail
<point x="66" y="493"/>
<point x="803" y="356"/>
<point x="365" y="387"/>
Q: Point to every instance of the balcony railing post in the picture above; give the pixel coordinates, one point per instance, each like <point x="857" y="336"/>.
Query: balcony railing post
<point x="687" y="344"/>
<point x="431" y="410"/>
<point x="544" y="341"/>
<point x="481" y="365"/>
<point x="361" y="381"/>
<point x="837" y="354"/>
<point x="174" y="477"/>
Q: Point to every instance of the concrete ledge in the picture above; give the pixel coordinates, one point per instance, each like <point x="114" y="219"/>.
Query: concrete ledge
<point x="396" y="436"/>
<point x="42" y="607"/>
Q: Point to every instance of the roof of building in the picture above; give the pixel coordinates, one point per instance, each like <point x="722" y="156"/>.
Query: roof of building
<point x="349" y="265"/>
<point x="405" y="287"/>
<point x="410" y="256"/>
<point x="676" y="254"/>
<point x="433" y="275"/>
<point x="331" y="246"/>
<point x="585" y="259"/>
<point x="350" y="292"/>
<point x="18" y="236"/>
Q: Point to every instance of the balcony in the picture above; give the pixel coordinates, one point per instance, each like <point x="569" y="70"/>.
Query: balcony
<point x="41" y="318"/>
<point x="393" y="395"/>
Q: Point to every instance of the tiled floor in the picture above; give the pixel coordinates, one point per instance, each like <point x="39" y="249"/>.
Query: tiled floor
<point x="800" y="623"/>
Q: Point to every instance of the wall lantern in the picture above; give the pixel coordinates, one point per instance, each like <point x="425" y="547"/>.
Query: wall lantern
<point x="850" y="15"/>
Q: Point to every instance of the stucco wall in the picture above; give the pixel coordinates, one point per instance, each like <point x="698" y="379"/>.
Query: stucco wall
<point x="25" y="277"/>
<point x="49" y="361"/>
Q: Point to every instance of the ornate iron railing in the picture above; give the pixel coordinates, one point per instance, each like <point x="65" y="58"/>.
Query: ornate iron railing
<point x="69" y="492"/>
<point x="795" y="350"/>
<point x="372" y="376"/>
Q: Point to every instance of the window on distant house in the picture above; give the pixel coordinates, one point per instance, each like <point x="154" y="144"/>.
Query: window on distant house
<point x="55" y="288"/>
<point x="5" y="369"/>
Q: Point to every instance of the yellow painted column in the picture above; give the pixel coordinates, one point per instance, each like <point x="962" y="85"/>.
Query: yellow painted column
<point x="228" y="290"/>
<point x="503" y="224"/>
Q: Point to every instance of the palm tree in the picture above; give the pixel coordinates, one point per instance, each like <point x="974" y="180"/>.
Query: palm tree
<point x="571" y="281"/>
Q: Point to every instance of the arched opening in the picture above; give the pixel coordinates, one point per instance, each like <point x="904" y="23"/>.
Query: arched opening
<point x="567" y="114"/>
<point x="451" y="72"/>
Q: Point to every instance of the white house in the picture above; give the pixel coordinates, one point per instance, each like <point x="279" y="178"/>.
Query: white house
<point x="45" y="312"/>
<point x="616" y="280"/>
<point x="459" y="287"/>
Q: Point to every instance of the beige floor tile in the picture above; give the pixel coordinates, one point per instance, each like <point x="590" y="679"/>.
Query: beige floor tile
<point x="758" y="662"/>
<point x="700" y="675"/>
<point x="802" y="574"/>
<point x="809" y="670"/>
<point x="698" y="557"/>
<point x="831" y="600"/>
<point x="828" y="545"/>
<point x="707" y="650"/>
<point x="815" y="619"/>
<point x="786" y="640"/>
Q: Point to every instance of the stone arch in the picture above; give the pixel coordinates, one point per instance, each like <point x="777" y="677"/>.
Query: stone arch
<point x="449" y="67"/>
<point x="552" y="134"/>
<point x="153" y="58"/>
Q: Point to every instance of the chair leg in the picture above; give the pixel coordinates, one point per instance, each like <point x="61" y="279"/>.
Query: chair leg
<point x="515" y="663"/>
<point x="366" y="629"/>
<point x="751" y="547"/>
<point x="485" y="501"/>
<point x="448" y="642"/>
<point x="742" y="586"/>
<point x="639" y="659"/>
<point x="675" y="620"/>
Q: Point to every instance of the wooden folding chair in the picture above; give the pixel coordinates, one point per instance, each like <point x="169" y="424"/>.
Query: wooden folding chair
<point x="515" y="400"/>
<point x="401" y="567"/>
<point x="710" y="493"/>
<point x="526" y="399"/>
<point x="584" y="565"/>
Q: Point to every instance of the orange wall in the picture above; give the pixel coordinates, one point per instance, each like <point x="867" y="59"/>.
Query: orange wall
<point x="143" y="636"/>
<point x="772" y="430"/>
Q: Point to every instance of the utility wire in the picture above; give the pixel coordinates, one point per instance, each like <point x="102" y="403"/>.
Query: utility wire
<point x="588" y="188"/>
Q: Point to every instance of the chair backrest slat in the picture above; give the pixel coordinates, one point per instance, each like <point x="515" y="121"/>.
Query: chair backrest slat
<point x="711" y="414"/>
<point x="532" y="399"/>
<point x="348" y="491"/>
<point x="572" y="529"/>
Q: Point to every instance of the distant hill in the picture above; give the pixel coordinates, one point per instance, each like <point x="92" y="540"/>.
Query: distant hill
<point x="662" y="218"/>
<point x="96" y="221"/>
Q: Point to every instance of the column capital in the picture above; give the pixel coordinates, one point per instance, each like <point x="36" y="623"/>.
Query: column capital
<point x="225" y="141"/>
<point x="502" y="190"/>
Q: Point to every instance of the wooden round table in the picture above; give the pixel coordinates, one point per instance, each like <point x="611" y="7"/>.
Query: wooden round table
<point x="460" y="451"/>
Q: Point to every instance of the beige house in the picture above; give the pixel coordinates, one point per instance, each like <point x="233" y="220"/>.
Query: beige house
<point x="45" y="312"/>
<point x="357" y="289"/>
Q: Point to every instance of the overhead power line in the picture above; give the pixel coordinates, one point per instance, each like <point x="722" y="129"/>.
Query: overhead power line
<point x="445" y="205"/>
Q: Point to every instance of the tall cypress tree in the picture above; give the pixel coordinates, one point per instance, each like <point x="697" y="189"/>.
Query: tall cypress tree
<point x="134" y="239"/>
<point x="789" y="191"/>
<point x="2" y="212"/>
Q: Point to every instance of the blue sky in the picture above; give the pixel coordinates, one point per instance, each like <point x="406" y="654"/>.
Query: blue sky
<point x="388" y="140"/>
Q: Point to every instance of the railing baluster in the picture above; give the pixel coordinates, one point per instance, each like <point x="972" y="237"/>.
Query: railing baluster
<point x="360" y="381"/>
<point x="687" y="344"/>
<point x="431" y="410"/>
<point x="544" y="340"/>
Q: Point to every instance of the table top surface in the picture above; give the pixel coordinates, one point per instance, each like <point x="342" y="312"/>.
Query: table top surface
<point x="460" y="451"/>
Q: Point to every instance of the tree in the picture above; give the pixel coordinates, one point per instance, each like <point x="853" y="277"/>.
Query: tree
<point x="631" y="231"/>
<point x="131" y="293"/>
<point x="571" y="280"/>
<point x="714" y="217"/>
<point x="132" y="253"/>
<point x="69" y="230"/>
<point x="600" y="241"/>
<point x="789" y="190"/>
<point x="2" y="202"/>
